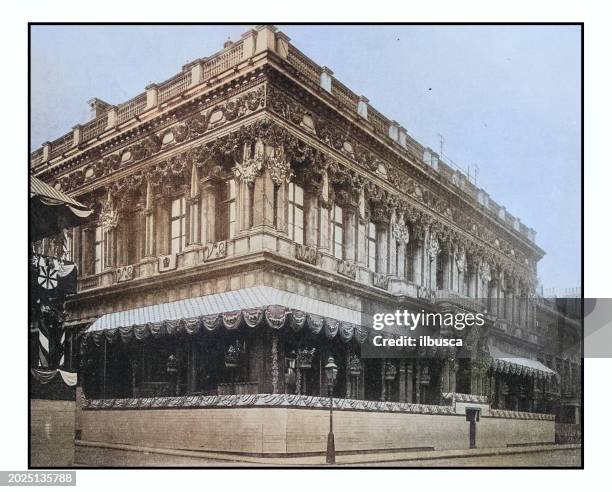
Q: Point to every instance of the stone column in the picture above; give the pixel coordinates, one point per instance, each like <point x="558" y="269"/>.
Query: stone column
<point x="382" y="240"/>
<point x="446" y="257"/>
<point x="86" y="250"/>
<point x="324" y="236"/>
<point x="263" y="201"/>
<point x="392" y="246"/>
<point x="149" y="220"/>
<point x="195" y="218"/>
<point x="311" y="204"/>
<point x="445" y="375"/>
<point x="454" y="367"/>
<point x="417" y="261"/>
<point x="494" y="296"/>
<point x="110" y="241"/>
<point x="361" y="243"/>
<point x="76" y="248"/>
<point x="432" y="258"/>
<point x="162" y="223"/>
<point x="417" y="386"/>
<point x="383" y="390"/>
<point x="350" y="233"/>
<point x="282" y="208"/>
<point x="409" y="382"/>
<point x="209" y="210"/>
<point x="123" y="237"/>
<point x="402" y="381"/>
<point x="244" y="204"/>
<point x="401" y="259"/>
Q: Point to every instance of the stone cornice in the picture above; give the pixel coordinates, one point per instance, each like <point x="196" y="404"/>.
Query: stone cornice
<point x="228" y="136"/>
<point x="399" y="169"/>
<point x="114" y="139"/>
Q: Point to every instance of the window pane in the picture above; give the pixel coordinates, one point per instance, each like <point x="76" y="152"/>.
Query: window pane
<point x="299" y="195"/>
<point x="176" y="208"/>
<point x="338" y="250"/>
<point x="291" y="186"/>
<point x="299" y="235"/>
<point x="175" y="247"/>
<point x="232" y="189"/>
<point x="337" y="214"/>
<point x="299" y="217"/>
<point x="290" y="221"/>
<point x="98" y="234"/>
<point x="175" y="229"/>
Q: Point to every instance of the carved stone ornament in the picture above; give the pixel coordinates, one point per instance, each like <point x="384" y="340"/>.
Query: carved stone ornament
<point x="250" y="169"/>
<point x="401" y="232"/>
<point x="109" y="215"/>
<point x="485" y="272"/>
<point x="309" y="254"/>
<point x="347" y="268"/>
<point x="433" y="249"/>
<point x="279" y="168"/>
<point x="460" y="261"/>
<point x="380" y="280"/>
<point x="276" y="164"/>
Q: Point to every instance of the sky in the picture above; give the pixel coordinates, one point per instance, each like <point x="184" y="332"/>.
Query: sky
<point x="506" y="99"/>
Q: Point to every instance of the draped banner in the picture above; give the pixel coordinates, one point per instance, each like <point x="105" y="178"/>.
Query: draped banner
<point x="45" y="376"/>
<point x="273" y="316"/>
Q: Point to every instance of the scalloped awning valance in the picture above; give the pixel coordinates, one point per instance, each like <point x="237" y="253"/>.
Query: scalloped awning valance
<point x="512" y="364"/>
<point x="250" y="307"/>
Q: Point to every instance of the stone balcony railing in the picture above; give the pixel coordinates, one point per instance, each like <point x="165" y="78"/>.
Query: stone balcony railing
<point x="155" y="95"/>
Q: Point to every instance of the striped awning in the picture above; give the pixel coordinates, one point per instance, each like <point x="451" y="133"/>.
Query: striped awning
<point x="229" y="310"/>
<point x="50" y="196"/>
<point x="512" y="364"/>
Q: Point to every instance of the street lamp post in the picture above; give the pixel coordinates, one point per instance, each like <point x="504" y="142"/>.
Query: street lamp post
<point x="331" y="371"/>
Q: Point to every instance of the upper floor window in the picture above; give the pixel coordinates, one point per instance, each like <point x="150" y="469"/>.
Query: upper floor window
<point x="371" y="244"/>
<point x="338" y="232"/>
<point x="178" y="223"/>
<point x="98" y="249"/>
<point x="296" y="213"/>
<point x="227" y="211"/>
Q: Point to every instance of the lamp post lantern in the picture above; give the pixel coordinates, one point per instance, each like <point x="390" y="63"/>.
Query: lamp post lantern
<point x="331" y="372"/>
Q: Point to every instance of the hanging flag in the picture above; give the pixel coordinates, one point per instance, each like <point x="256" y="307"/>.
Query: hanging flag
<point x="52" y="278"/>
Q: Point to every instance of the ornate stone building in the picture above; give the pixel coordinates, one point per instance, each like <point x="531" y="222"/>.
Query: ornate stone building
<point x="251" y="213"/>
